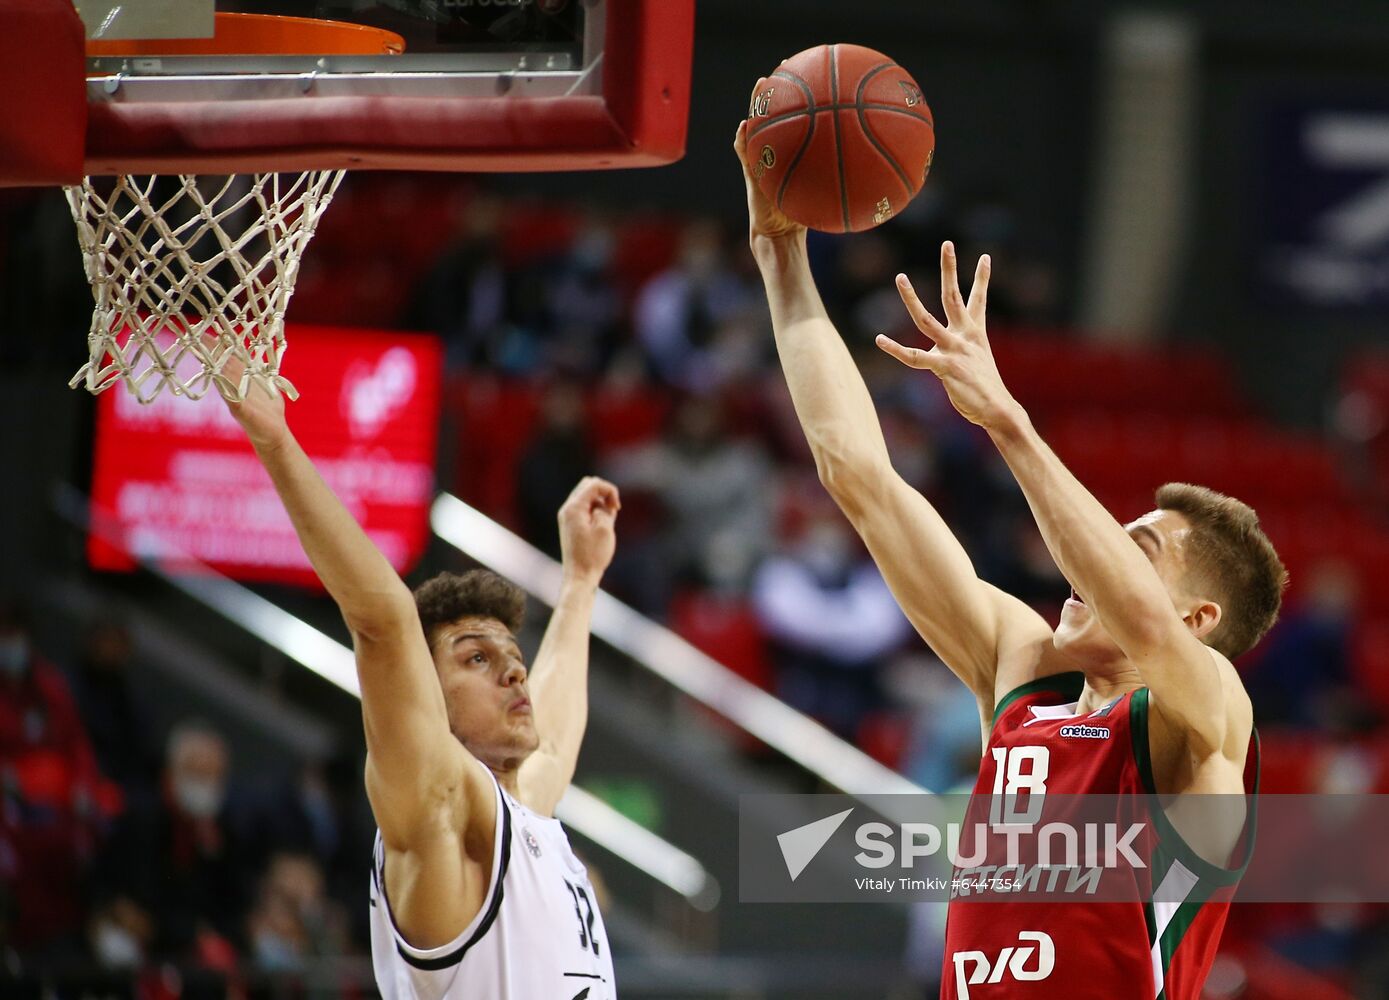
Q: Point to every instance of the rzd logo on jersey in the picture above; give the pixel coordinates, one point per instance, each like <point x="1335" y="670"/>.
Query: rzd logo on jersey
<point x="1016" y="961"/>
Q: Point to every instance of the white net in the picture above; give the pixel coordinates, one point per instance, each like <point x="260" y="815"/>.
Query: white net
<point x="189" y="272"/>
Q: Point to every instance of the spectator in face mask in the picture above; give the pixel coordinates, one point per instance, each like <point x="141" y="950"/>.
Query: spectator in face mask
<point x="119" y="935"/>
<point x="293" y="919"/>
<point x="831" y="619"/>
<point x="52" y="798"/>
<point x="174" y="858"/>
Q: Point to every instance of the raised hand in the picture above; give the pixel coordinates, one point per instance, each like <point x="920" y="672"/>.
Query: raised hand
<point x="765" y="220"/>
<point x="262" y="413"/>
<point x="961" y="357"/>
<point x="587" y="534"/>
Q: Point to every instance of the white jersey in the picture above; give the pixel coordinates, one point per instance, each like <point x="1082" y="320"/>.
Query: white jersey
<point x="538" y="936"/>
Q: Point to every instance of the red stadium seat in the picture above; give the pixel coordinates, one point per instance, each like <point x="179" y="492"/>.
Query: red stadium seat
<point x="619" y="417"/>
<point x="496" y="418"/>
<point x="726" y="629"/>
<point x="645" y="248"/>
<point x="533" y="231"/>
<point x="1052" y="373"/>
<point x="885" y="736"/>
<point x="1370" y="661"/>
<point x="1288" y="760"/>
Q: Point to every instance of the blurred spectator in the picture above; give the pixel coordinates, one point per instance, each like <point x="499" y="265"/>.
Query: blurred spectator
<point x="174" y="858"/>
<point x="715" y="494"/>
<point x="319" y="813"/>
<point x="1301" y="674"/>
<point x="119" y="935"/>
<point x="680" y="314"/>
<point x="293" y="919"/>
<point x="54" y="799"/>
<point x="826" y="607"/>
<point x="116" y="721"/>
<point x="557" y="457"/>
<point x="581" y="300"/>
<point x="467" y="297"/>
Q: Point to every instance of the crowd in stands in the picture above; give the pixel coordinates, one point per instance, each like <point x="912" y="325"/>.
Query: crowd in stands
<point x="120" y="856"/>
<point x="639" y="347"/>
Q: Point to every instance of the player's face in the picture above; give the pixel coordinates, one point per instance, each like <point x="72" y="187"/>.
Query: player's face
<point x="1161" y="535"/>
<point x="484" y="682"/>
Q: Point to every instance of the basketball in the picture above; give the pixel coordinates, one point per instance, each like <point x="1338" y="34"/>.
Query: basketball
<point x="840" y="138"/>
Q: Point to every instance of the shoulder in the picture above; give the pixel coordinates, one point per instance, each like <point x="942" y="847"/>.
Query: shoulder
<point x="1239" y="709"/>
<point x="439" y="899"/>
<point x="462" y="801"/>
<point x="1182" y="759"/>
<point x="1235" y="708"/>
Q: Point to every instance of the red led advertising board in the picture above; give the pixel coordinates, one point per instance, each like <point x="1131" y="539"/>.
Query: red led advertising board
<point x="179" y="476"/>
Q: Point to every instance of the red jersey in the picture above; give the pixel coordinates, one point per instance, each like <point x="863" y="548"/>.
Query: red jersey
<point x="1025" y="949"/>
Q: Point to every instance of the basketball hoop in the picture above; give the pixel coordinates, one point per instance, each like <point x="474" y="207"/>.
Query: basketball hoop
<point x="190" y="271"/>
<point x="188" y="278"/>
<point x="194" y="215"/>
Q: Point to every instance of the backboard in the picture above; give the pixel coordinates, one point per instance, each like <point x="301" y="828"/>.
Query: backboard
<point x="241" y="86"/>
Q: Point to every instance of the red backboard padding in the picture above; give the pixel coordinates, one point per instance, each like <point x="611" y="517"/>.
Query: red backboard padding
<point x="639" y="121"/>
<point x="43" y="115"/>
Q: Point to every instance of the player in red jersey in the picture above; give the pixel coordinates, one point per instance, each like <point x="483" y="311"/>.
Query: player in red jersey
<point x="1134" y="691"/>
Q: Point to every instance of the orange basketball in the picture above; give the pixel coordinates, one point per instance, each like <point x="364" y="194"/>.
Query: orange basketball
<point x="840" y="138"/>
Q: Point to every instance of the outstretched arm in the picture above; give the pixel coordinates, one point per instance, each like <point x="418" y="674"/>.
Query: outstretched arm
<point x="422" y="784"/>
<point x="1102" y="561"/>
<point x="559" y="685"/>
<point x="978" y="631"/>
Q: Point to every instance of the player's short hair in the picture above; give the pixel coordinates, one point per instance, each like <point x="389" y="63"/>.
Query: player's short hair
<point x="1232" y="557"/>
<point x="478" y="593"/>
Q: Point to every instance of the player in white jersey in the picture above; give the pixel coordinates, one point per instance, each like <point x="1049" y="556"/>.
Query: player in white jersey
<point x="474" y="889"/>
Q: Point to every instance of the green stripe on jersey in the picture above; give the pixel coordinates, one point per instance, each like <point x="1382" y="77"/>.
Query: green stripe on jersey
<point x="1168" y="837"/>
<point x="1069" y="685"/>
<point x="1172" y="937"/>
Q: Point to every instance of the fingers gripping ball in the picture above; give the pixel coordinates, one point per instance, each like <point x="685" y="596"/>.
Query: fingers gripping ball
<point x="840" y="138"/>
